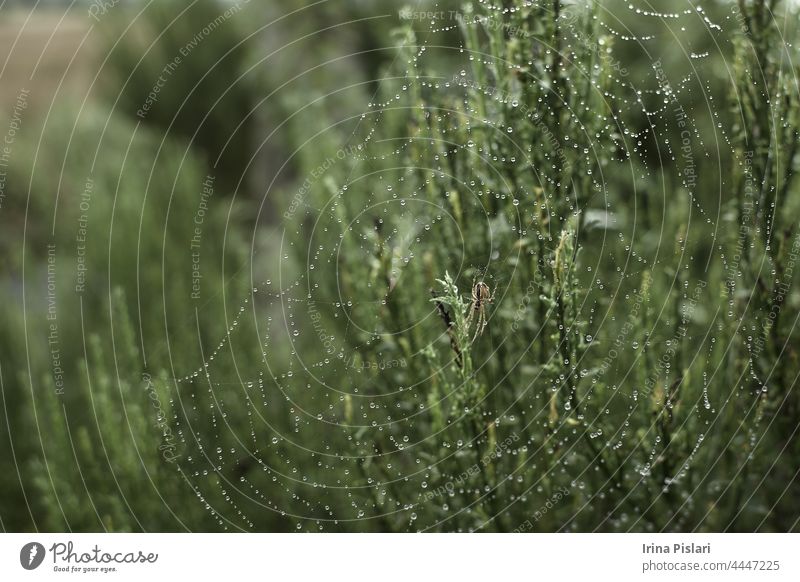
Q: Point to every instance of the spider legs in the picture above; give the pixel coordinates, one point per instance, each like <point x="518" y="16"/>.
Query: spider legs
<point x="480" y="324"/>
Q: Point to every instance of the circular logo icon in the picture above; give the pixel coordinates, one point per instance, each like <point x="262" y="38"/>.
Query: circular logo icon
<point x="31" y="555"/>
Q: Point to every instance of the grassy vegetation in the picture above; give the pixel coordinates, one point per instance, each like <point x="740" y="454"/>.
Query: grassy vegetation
<point x="625" y="230"/>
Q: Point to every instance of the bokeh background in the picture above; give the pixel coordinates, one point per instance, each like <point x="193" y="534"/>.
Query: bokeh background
<point x="239" y="242"/>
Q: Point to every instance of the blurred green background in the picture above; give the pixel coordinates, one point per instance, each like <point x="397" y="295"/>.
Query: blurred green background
<point x="222" y="225"/>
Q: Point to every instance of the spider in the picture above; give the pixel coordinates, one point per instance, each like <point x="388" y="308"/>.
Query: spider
<point x="480" y="297"/>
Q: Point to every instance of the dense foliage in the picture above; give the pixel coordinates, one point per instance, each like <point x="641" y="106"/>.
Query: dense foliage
<point x="540" y="283"/>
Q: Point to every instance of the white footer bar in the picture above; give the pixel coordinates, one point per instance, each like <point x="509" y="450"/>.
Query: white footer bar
<point x="390" y="557"/>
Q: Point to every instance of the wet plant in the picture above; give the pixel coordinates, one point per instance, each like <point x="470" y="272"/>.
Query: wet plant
<point x="545" y="281"/>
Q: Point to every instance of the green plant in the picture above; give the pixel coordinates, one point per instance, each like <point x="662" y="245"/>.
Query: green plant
<point x="637" y="370"/>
